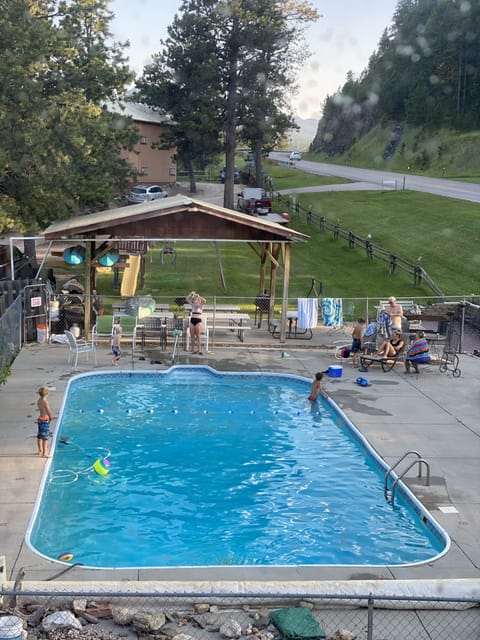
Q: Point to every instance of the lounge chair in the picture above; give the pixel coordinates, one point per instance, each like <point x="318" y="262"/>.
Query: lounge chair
<point x="387" y="364"/>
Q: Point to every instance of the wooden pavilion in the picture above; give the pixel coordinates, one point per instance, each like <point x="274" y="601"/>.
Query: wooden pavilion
<point x="181" y="218"/>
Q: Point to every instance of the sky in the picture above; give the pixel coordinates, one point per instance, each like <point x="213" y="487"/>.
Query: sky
<point x="342" y="40"/>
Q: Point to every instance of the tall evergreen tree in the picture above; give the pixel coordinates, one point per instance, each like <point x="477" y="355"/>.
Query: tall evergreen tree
<point x="59" y="146"/>
<point x="183" y="81"/>
<point x="226" y="71"/>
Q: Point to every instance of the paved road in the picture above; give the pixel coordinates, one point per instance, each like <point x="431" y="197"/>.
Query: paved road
<point x="388" y="179"/>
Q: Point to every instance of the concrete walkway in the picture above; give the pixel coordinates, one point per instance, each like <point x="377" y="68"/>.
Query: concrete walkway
<point x="433" y="413"/>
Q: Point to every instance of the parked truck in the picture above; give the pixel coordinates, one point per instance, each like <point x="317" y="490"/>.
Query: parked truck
<point x="255" y="201"/>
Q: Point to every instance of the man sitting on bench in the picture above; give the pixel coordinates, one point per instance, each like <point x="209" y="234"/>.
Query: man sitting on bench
<point x="418" y="352"/>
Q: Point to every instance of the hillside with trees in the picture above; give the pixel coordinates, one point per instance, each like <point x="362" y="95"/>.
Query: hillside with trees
<point x="424" y="76"/>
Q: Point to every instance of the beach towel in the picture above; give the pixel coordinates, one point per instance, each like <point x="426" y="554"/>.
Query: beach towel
<point x="370" y="330"/>
<point x="332" y="312"/>
<point x="419" y="352"/>
<point x="296" y="623"/>
<point x="307" y="313"/>
<point x="384" y="324"/>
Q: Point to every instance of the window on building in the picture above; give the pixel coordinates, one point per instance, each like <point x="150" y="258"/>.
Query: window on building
<point x="144" y="171"/>
<point x="143" y="140"/>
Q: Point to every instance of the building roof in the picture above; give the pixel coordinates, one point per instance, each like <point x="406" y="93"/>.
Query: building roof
<point x="139" y="112"/>
<point x="174" y="218"/>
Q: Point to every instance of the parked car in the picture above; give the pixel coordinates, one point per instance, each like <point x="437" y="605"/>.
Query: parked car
<point x="236" y="175"/>
<point x="146" y="193"/>
<point x="295" y="155"/>
<point x="21" y="263"/>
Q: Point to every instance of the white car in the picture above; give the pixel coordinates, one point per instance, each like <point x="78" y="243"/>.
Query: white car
<point x="295" y="155"/>
<point x="145" y="193"/>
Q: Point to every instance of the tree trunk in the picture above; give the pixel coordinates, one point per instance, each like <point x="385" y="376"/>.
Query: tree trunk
<point x="258" y="165"/>
<point x="30" y="250"/>
<point x="230" y="119"/>
<point x="191" y="175"/>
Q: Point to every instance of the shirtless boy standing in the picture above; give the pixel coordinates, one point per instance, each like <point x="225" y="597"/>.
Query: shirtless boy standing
<point x="43" y="422"/>
<point x="358" y="332"/>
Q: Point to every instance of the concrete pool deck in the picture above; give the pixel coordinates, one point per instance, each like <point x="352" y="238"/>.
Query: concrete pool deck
<point x="433" y="413"/>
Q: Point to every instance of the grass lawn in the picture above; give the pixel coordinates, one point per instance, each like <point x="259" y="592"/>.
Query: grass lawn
<point x="443" y="231"/>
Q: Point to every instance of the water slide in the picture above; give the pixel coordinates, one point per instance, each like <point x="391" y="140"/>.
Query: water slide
<point x="130" y="275"/>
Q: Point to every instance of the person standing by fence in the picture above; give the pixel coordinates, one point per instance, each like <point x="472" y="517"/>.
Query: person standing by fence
<point x="395" y="312"/>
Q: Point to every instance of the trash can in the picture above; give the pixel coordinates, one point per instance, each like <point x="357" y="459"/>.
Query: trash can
<point x="42" y="334"/>
<point x="11" y="628"/>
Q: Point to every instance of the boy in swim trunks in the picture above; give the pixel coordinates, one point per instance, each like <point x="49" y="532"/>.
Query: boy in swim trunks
<point x="43" y="422"/>
<point x="116" y="341"/>
<point x="317" y="388"/>
<point x="357" y="339"/>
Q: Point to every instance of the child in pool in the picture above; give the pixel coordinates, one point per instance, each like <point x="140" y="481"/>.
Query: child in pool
<point x="43" y="422"/>
<point x="317" y="387"/>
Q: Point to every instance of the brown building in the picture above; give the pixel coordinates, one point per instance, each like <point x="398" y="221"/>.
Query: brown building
<point x="153" y="164"/>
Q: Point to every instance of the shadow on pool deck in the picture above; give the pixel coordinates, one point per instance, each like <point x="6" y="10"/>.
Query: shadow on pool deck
<point x="432" y="413"/>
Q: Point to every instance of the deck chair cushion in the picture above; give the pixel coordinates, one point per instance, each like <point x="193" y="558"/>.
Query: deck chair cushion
<point x="296" y="622"/>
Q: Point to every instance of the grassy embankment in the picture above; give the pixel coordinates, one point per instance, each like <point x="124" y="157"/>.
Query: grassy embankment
<point x="440" y="154"/>
<point x="442" y="230"/>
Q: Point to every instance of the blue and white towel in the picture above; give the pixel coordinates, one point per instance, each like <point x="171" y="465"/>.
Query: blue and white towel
<point x="332" y="312"/>
<point x="307" y="313"/>
<point x="384" y="324"/>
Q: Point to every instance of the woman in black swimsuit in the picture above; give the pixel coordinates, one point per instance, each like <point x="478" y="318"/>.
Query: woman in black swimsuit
<point x="197" y="303"/>
<point x="391" y="348"/>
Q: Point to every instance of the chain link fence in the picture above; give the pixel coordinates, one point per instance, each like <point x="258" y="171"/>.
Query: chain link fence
<point x="99" y="614"/>
<point x="230" y="319"/>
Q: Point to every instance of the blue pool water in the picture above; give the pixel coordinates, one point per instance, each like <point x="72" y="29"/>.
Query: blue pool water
<point x="218" y="469"/>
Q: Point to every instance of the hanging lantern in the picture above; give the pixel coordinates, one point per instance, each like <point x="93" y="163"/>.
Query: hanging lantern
<point x="109" y="259"/>
<point x="74" y="255"/>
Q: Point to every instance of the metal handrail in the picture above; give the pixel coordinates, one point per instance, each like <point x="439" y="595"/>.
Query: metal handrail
<point x="396" y="463"/>
<point x="420" y="461"/>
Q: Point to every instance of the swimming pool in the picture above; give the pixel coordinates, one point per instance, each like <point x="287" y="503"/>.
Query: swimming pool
<point x="216" y="469"/>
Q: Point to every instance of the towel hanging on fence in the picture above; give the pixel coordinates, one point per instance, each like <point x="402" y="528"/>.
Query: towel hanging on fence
<point x="332" y="312"/>
<point x="307" y="313"/>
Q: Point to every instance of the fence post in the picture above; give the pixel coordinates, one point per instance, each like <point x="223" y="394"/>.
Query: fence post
<point x="370" y="618"/>
<point x="393" y="263"/>
<point x="336" y="230"/>
<point x="323" y="223"/>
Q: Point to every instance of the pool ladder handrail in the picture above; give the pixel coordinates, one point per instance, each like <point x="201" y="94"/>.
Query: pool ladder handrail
<point x="419" y="460"/>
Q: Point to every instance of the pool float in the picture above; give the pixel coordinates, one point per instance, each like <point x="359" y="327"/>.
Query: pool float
<point x="65" y="557"/>
<point x="101" y="466"/>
